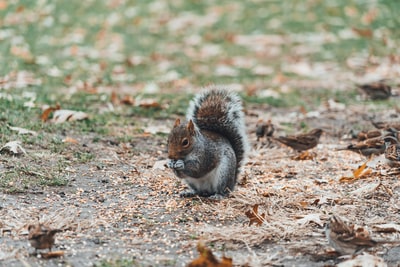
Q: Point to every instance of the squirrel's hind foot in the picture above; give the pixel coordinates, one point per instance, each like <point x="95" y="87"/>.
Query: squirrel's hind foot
<point x="216" y="197"/>
<point x="187" y="194"/>
<point x="190" y="193"/>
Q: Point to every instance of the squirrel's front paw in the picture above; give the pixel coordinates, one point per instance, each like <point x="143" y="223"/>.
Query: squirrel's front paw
<point x="170" y="163"/>
<point x="179" y="165"/>
<point x="176" y="164"/>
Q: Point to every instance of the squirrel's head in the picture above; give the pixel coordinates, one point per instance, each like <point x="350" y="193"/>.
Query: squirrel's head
<point x="181" y="139"/>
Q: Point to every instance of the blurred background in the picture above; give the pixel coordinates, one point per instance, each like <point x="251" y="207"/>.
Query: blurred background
<point x="163" y="46"/>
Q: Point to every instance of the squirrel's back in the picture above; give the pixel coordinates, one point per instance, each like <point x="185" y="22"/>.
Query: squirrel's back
<point x="219" y="110"/>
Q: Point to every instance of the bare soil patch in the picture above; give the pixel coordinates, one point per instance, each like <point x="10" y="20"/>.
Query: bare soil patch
<point x="125" y="205"/>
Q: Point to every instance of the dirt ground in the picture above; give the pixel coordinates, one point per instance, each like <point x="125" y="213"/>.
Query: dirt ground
<point x="125" y="205"/>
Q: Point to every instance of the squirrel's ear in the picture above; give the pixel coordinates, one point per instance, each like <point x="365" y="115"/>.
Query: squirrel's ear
<point x="190" y="127"/>
<point x="177" y="122"/>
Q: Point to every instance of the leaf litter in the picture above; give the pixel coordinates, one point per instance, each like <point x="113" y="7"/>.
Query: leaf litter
<point x="294" y="196"/>
<point x="13" y="147"/>
<point x="208" y="259"/>
<point x="125" y="204"/>
<point x="22" y="130"/>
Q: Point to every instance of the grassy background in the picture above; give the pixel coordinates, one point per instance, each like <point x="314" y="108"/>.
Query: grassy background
<point x="67" y="43"/>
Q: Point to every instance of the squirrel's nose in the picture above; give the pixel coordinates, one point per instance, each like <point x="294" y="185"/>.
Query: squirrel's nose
<point x="173" y="156"/>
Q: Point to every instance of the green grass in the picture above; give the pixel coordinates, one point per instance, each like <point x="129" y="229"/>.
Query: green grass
<point x="21" y="177"/>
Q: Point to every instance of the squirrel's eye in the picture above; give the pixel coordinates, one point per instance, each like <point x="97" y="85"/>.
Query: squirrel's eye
<point x="185" y="142"/>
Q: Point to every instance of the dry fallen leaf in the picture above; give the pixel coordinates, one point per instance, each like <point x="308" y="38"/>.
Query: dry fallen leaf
<point x="367" y="189"/>
<point x="280" y="78"/>
<point x="306" y="155"/>
<point x="22" y="130"/>
<point x="367" y="33"/>
<point x="226" y="71"/>
<point x="207" y="259"/>
<point x="148" y="103"/>
<point x="360" y="172"/>
<point x="47" y="111"/>
<point x="254" y="216"/>
<point x="303" y="204"/>
<point x="52" y="254"/>
<point x="387" y="227"/>
<point x="364" y="260"/>
<point x="154" y="129"/>
<point x="114" y="98"/>
<point x="160" y="164"/>
<point x="333" y="105"/>
<point x="128" y="100"/>
<point x="370" y="16"/>
<point x="22" y="53"/>
<point x="310" y="218"/>
<point x="63" y="115"/>
<point x="70" y="140"/>
<point x="3" y="5"/>
<point x="13" y="147"/>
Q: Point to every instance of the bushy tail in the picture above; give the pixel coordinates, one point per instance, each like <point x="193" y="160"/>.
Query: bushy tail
<point x="221" y="111"/>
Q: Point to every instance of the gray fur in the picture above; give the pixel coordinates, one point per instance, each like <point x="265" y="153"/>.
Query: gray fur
<point x="233" y="121"/>
<point x="220" y="147"/>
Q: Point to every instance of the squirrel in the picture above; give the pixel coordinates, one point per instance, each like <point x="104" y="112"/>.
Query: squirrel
<point x="210" y="147"/>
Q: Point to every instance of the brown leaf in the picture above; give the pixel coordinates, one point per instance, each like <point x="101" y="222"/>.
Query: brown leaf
<point x="21" y="53"/>
<point x="303" y="204"/>
<point x="207" y="259"/>
<point x="20" y="8"/>
<point x="128" y="100"/>
<point x="280" y="78"/>
<point x="303" y="110"/>
<point x="367" y="33"/>
<point x="149" y="103"/>
<point x="70" y="140"/>
<point x="370" y="16"/>
<point x="52" y="254"/>
<point x="346" y="179"/>
<point x="46" y="113"/>
<point x="254" y="216"/>
<point x="180" y="83"/>
<point x="3" y="5"/>
<point x="351" y="11"/>
<point x="74" y="50"/>
<point x="114" y="98"/>
<point x="360" y="172"/>
<point x="304" y="156"/>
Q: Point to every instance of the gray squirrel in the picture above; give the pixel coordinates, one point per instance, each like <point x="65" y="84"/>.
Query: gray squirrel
<point x="210" y="147"/>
